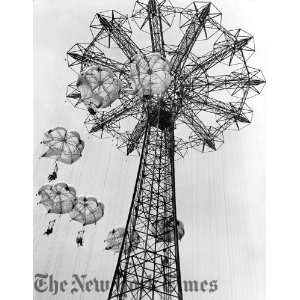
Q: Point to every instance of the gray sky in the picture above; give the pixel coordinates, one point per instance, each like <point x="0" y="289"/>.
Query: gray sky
<point x="220" y="195"/>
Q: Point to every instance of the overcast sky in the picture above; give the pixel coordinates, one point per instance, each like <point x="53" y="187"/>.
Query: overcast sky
<point x="220" y="195"/>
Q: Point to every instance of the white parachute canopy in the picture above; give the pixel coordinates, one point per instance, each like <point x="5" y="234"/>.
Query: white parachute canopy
<point x="150" y="74"/>
<point x="163" y="231"/>
<point x="87" y="210"/>
<point x="99" y="87"/>
<point x="115" y="238"/>
<point x="63" y="146"/>
<point x="57" y="199"/>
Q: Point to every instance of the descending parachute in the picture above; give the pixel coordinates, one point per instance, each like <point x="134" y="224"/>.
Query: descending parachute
<point x="61" y="199"/>
<point x="57" y="199"/>
<point x="115" y="238"/>
<point x="87" y="210"/>
<point x="150" y="74"/>
<point x="63" y="146"/>
<point x="99" y="87"/>
<point x="164" y="231"/>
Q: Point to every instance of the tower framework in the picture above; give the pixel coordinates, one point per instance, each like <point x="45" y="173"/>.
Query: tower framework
<point x="152" y="270"/>
<point x="196" y="94"/>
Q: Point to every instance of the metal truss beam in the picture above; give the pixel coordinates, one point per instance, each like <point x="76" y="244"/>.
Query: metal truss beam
<point x="187" y="42"/>
<point x="120" y="37"/>
<point x="188" y="117"/>
<point x="235" y="81"/>
<point x="220" y="53"/>
<point x="88" y="56"/>
<point x="136" y="135"/>
<point x="220" y="108"/>
<point x="155" y="25"/>
<point x="127" y="108"/>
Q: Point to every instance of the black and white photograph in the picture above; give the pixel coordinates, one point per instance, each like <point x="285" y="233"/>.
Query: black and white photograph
<point x="149" y="150"/>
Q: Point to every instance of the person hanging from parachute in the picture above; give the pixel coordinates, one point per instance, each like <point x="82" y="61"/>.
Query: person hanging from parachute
<point x="87" y="211"/>
<point x="58" y="199"/>
<point x="79" y="238"/>
<point x="53" y="175"/>
<point x="63" y="146"/>
<point x="49" y="229"/>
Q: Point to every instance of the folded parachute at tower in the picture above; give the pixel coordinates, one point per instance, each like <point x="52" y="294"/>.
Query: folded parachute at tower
<point x="164" y="230"/>
<point x="99" y="87"/>
<point x="150" y="74"/>
<point x="115" y="238"/>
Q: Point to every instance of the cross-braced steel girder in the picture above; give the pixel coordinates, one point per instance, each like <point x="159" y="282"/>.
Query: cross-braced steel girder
<point x="119" y="36"/>
<point x="197" y="24"/>
<point x="155" y="25"/>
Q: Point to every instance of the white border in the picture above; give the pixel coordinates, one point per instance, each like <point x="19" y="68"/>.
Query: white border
<point x="283" y="209"/>
<point x="16" y="135"/>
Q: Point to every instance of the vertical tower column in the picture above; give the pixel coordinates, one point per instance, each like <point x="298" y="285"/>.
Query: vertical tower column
<point x="150" y="269"/>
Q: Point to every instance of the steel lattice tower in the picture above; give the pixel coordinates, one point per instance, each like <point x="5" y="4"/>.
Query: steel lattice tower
<point x="152" y="269"/>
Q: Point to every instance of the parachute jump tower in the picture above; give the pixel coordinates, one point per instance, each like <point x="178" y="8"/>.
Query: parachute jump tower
<point x="174" y="98"/>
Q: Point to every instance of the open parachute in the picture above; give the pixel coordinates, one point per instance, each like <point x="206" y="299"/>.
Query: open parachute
<point x="115" y="238"/>
<point x="87" y="210"/>
<point x="58" y="199"/>
<point x="150" y="74"/>
<point x="99" y="87"/>
<point x="63" y="146"/>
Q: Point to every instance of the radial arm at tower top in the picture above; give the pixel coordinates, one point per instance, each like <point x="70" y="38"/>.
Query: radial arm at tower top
<point x="79" y="55"/>
<point x="119" y="36"/>
<point x="155" y="26"/>
<point x="120" y="112"/>
<point x="220" y="53"/>
<point x="136" y="134"/>
<point x="197" y="24"/>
